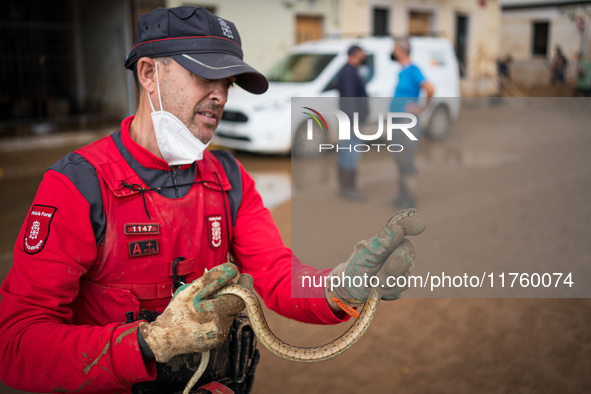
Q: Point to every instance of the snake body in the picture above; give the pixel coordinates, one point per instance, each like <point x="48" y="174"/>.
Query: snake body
<point x="296" y="353"/>
<point x="304" y="354"/>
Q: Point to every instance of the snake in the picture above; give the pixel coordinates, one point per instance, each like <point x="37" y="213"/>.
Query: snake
<point x="297" y="353"/>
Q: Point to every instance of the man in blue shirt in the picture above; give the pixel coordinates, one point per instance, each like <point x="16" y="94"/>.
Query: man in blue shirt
<point x="406" y="99"/>
<point x="353" y="99"/>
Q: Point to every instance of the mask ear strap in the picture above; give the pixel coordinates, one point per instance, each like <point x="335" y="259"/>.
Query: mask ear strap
<point x="150" y="99"/>
<point x="158" y="86"/>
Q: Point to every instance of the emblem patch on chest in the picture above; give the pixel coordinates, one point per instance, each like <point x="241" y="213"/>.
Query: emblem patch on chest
<point x="214" y="230"/>
<point x="38" y="226"/>
<point x="142" y="229"/>
<point x="143" y="248"/>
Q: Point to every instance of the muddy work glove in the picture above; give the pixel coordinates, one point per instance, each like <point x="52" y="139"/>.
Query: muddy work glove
<point x="386" y="254"/>
<point x="193" y="321"/>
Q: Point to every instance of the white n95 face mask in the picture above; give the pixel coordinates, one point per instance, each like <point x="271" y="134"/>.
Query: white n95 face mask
<point x="177" y="144"/>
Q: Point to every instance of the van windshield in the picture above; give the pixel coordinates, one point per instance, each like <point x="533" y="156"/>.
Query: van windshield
<point x="301" y="67"/>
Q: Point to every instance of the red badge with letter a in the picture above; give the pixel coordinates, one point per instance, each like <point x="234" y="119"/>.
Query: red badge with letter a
<point x="214" y="230"/>
<point x="37" y="230"/>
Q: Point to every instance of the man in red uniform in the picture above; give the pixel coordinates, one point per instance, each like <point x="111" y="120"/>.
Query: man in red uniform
<point x="120" y="224"/>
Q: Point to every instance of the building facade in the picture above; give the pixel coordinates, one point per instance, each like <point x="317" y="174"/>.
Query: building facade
<point x="471" y="25"/>
<point x="531" y="31"/>
<point x="62" y="67"/>
<point x="269" y="28"/>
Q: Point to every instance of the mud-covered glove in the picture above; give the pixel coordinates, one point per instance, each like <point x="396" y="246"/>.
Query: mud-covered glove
<point x="386" y="254"/>
<point x="192" y="322"/>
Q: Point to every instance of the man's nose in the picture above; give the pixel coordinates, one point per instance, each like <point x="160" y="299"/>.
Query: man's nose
<point x="219" y="91"/>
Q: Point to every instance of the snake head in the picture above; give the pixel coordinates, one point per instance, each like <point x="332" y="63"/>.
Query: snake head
<point x="404" y="213"/>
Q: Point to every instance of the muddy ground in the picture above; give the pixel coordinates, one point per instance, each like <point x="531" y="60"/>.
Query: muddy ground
<point x="501" y="191"/>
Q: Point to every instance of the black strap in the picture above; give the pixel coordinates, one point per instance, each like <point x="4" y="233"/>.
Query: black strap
<point x="234" y="175"/>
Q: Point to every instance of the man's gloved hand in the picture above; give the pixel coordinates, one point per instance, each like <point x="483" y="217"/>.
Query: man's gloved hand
<point x="192" y="322"/>
<point x="386" y="254"/>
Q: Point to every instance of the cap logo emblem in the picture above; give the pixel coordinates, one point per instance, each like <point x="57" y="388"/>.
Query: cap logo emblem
<point x="225" y="28"/>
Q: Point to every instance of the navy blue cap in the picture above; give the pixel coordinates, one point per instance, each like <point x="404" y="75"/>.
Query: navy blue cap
<point x="203" y="43"/>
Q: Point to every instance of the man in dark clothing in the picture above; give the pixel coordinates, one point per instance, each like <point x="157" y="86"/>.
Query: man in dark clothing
<point x="353" y="99"/>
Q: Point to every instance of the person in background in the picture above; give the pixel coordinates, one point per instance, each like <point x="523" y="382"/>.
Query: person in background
<point x="411" y="82"/>
<point x="353" y="98"/>
<point x="504" y="73"/>
<point x="559" y="64"/>
<point x="584" y="77"/>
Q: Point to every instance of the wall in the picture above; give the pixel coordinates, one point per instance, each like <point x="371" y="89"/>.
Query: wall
<point x="483" y="42"/>
<point x="516" y="32"/>
<point x="516" y="39"/>
<point x="104" y="31"/>
<point x="483" y="31"/>
<point x="267" y="27"/>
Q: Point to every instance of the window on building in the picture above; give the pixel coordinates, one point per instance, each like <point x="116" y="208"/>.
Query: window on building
<point x="540" y="38"/>
<point x="420" y="23"/>
<point x="61" y="65"/>
<point x="308" y="28"/>
<point x="381" y="21"/>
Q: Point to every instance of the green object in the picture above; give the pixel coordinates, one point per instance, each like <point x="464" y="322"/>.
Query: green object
<point x="585" y="75"/>
<point x="388" y="254"/>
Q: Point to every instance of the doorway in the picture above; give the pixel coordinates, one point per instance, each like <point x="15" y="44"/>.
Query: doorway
<point x="461" y="42"/>
<point x="308" y="28"/>
<point x="420" y="23"/>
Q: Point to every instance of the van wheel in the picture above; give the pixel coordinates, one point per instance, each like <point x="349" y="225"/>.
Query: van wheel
<point x="439" y="124"/>
<point x="301" y="146"/>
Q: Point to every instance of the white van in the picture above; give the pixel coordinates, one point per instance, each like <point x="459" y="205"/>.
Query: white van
<point x="263" y="123"/>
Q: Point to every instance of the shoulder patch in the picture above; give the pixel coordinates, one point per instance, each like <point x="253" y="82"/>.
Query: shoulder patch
<point x="38" y="226"/>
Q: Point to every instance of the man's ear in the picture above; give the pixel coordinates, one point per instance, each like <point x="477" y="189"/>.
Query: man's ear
<point x="146" y="74"/>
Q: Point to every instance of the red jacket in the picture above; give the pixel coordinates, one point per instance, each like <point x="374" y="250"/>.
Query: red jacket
<point x="76" y="273"/>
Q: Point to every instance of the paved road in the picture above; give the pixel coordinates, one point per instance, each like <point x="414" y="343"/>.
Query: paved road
<point x="508" y="191"/>
<point x="510" y="187"/>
